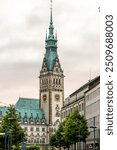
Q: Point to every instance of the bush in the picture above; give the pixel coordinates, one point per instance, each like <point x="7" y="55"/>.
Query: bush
<point x="16" y="147"/>
<point x="33" y="147"/>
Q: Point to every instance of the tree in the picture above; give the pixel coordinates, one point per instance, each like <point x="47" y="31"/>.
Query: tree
<point x="75" y="125"/>
<point x="70" y="130"/>
<point x="57" y="139"/>
<point x="10" y="124"/>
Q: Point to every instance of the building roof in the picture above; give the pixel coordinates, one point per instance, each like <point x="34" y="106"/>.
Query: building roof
<point x="50" y="59"/>
<point x="3" y="110"/>
<point x="29" y="107"/>
<point x="89" y="83"/>
<point x="51" y="46"/>
<point x="27" y="103"/>
<point x="29" y="111"/>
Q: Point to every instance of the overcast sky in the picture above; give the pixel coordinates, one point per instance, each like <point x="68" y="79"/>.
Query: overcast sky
<point x="23" y="25"/>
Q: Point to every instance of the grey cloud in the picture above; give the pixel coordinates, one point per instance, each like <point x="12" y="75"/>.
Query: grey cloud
<point x="78" y="47"/>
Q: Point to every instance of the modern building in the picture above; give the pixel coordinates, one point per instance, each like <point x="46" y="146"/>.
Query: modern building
<point x="92" y="104"/>
<point x="87" y="100"/>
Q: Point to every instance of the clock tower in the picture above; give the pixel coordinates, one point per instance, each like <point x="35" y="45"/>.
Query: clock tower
<point x="51" y="78"/>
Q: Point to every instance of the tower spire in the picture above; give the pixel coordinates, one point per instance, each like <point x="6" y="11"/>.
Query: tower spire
<point x="51" y="12"/>
<point x="51" y="28"/>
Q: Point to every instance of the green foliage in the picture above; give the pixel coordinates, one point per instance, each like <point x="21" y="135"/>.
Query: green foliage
<point x="16" y="147"/>
<point x="33" y="147"/>
<point x="75" y="127"/>
<point x="1" y="141"/>
<point x="10" y="123"/>
<point x="70" y="130"/>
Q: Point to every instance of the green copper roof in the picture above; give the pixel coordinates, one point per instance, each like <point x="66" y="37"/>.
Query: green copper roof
<point x="51" y="45"/>
<point x="28" y="109"/>
<point x="50" y="57"/>
<point x="3" y="110"/>
<point x="30" y="112"/>
<point x="27" y="103"/>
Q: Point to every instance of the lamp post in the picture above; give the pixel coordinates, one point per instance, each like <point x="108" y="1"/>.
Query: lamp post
<point x="2" y="134"/>
<point x="93" y="127"/>
<point x="79" y="136"/>
<point x="10" y="134"/>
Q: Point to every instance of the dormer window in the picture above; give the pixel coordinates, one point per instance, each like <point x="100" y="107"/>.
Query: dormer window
<point x="0" y="113"/>
<point x="25" y="119"/>
<point x="37" y="119"/>
<point x="31" y="119"/>
<point x="20" y="117"/>
<point x="57" y="70"/>
<point x="43" y="120"/>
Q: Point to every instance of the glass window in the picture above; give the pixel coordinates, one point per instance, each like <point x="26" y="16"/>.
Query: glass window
<point x="37" y="140"/>
<point x="26" y="129"/>
<point x="43" y="140"/>
<point x="43" y="129"/>
<point x="53" y="81"/>
<point x="79" y="107"/>
<point x="37" y="129"/>
<point x="61" y="115"/>
<point x="31" y="129"/>
<point x="31" y="140"/>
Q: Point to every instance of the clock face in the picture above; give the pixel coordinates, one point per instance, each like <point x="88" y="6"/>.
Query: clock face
<point x="44" y="97"/>
<point x="57" y="97"/>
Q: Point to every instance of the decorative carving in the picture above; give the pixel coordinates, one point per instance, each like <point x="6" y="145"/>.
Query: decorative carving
<point x="44" y="98"/>
<point x="57" y="111"/>
<point x="56" y="122"/>
<point x="57" y="97"/>
<point x="43" y="120"/>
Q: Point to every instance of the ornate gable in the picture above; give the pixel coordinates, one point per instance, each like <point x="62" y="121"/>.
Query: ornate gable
<point x="57" y="66"/>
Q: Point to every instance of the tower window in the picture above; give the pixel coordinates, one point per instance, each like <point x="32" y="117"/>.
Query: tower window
<point x="53" y="81"/>
<point x="59" y="81"/>
<point x="56" y="81"/>
<point x="57" y="70"/>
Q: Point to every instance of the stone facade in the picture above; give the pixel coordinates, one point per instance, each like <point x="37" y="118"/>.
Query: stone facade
<point x="51" y="79"/>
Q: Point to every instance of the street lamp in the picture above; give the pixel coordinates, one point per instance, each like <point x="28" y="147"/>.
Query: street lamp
<point x="10" y="133"/>
<point x="93" y="127"/>
<point x="79" y="137"/>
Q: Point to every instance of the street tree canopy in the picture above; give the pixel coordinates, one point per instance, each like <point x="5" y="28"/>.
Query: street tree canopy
<point x="11" y="123"/>
<point x="73" y="128"/>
